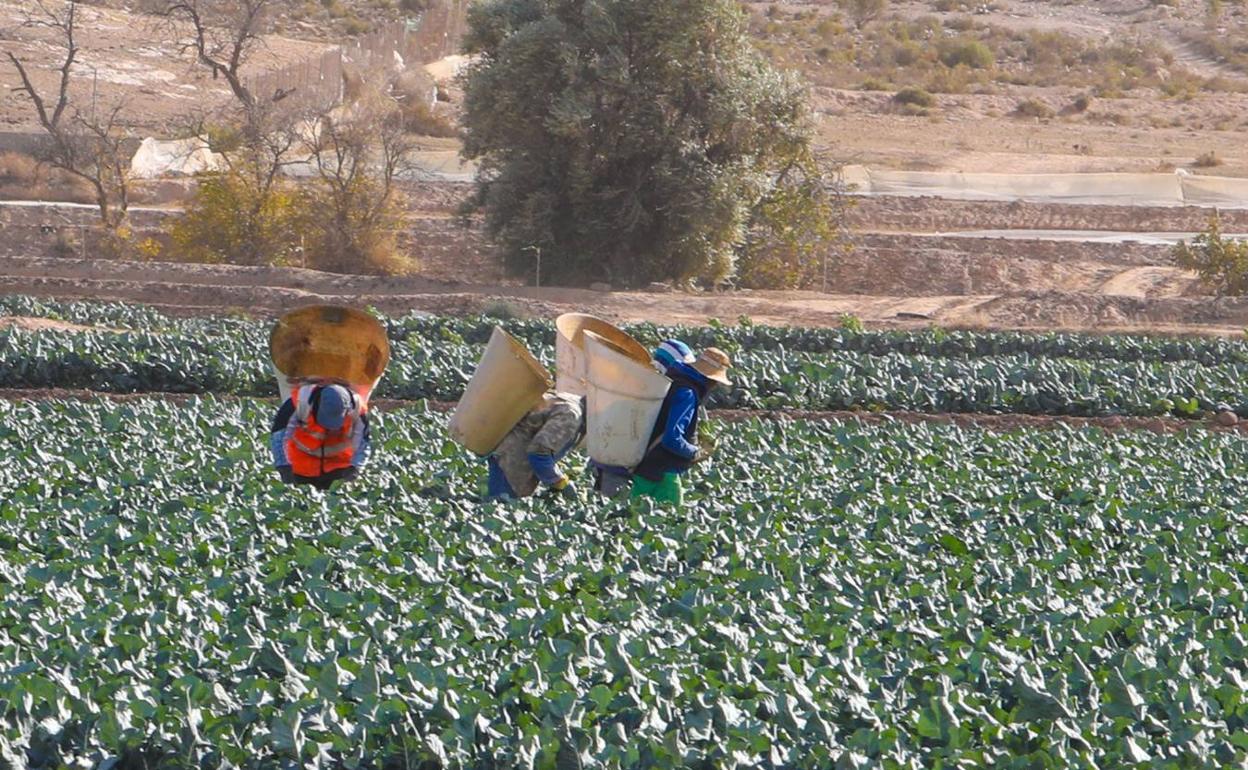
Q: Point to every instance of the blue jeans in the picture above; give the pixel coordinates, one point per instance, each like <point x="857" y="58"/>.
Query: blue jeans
<point x="497" y="486"/>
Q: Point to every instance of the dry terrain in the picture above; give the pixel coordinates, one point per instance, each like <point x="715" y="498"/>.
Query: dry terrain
<point x="1113" y="86"/>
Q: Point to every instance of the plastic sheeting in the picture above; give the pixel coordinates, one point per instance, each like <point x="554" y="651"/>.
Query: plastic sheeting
<point x="1178" y="189"/>
<point x="157" y="158"/>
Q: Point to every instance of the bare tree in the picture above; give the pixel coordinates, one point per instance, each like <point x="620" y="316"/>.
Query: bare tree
<point x="864" y="12"/>
<point x="223" y="36"/>
<point x="88" y="145"/>
<point x="358" y="155"/>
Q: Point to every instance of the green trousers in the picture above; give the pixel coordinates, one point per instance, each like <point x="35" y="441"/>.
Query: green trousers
<point x="669" y="490"/>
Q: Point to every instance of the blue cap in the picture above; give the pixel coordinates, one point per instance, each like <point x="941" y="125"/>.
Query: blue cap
<point x="672" y="352"/>
<point x="331" y="409"/>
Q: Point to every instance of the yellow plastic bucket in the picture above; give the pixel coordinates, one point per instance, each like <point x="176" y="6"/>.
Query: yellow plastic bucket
<point x="329" y="342"/>
<point x="571" y="367"/>
<point x="624" y="399"/>
<point x="507" y="384"/>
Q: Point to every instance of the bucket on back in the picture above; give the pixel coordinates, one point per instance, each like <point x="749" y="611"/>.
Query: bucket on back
<point x="571" y="366"/>
<point x="624" y="399"/>
<point x="329" y="342"/>
<point x="507" y="384"/>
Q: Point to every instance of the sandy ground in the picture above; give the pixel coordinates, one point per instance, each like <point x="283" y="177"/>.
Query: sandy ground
<point x="269" y="291"/>
<point x="125" y="58"/>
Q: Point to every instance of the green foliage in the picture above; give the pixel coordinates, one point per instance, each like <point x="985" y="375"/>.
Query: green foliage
<point x="631" y="140"/>
<point x="233" y="219"/>
<point x="1221" y="263"/>
<point x="970" y="53"/>
<point x="928" y="371"/>
<point x="340" y="223"/>
<point x="797" y="229"/>
<point x="909" y="597"/>
<point x="1033" y="108"/>
<point x="863" y="12"/>
<point x="914" y="96"/>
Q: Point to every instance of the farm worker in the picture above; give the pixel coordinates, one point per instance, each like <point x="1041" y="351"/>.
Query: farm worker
<point x="673" y="442"/>
<point x="529" y="455"/>
<point x="320" y="434"/>
<point x="612" y="480"/>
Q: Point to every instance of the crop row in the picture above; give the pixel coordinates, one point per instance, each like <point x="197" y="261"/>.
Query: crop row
<point x="228" y="356"/>
<point x="937" y="343"/>
<point x="893" y="596"/>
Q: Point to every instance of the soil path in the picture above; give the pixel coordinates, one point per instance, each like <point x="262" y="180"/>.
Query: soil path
<point x="1144" y="282"/>
<point x="993" y="422"/>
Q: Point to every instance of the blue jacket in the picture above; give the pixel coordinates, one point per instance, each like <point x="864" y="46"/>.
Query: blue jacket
<point x="673" y="442"/>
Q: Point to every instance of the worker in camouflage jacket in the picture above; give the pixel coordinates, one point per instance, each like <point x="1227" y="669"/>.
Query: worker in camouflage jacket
<point x="529" y="455"/>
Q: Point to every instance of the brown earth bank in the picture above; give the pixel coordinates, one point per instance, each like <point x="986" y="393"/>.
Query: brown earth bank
<point x="992" y="422"/>
<point x="924" y="214"/>
<point x="266" y="291"/>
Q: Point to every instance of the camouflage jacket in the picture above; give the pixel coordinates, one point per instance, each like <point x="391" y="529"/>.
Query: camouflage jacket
<point x="554" y="428"/>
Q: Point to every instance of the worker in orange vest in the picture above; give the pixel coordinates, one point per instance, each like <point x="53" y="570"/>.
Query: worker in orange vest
<point x="320" y="434"/>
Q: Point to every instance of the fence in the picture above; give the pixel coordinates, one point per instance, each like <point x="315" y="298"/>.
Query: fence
<point x="319" y="81"/>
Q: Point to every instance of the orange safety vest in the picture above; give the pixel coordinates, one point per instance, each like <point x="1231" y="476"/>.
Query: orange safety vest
<point x="313" y="450"/>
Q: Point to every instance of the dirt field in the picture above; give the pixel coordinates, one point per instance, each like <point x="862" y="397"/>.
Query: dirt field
<point x="125" y="58"/>
<point x="906" y="269"/>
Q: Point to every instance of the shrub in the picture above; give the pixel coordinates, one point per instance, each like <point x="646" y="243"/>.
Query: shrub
<point x="354" y="25"/>
<point x="18" y="168"/>
<point x="64" y="245"/>
<point x="914" y="96"/>
<point x="970" y="53"/>
<point x="1081" y="103"/>
<point x="420" y="118"/>
<point x="22" y="177"/>
<point x="1222" y="264"/>
<point x="503" y="310"/>
<point x="875" y="84"/>
<point x="961" y="24"/>
<point x="1207" y="160"/>
<point x="1033" y="108"/>
<point x="228" y="220"/>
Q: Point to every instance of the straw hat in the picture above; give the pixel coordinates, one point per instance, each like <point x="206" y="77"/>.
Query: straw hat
<point x="714" y="364"/>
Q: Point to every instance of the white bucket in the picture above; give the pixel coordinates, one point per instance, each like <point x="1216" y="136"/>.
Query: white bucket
<point x="625" y="397"/>
<point x="507" y="384"/>
<point x="571" y="370"/>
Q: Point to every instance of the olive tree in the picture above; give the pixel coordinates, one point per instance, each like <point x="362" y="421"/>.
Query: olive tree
<point x="628" y="140"/>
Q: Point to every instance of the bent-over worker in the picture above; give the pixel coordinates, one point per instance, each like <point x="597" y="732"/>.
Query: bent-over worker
<point x="615" y="481"/>
<point x="673" y="445"/>
<point x="529" y="455"/>
<point x="320" y="435"/>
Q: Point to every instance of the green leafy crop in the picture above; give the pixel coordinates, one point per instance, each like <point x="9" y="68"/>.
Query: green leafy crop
<point x="791" y="368"/>
<point x="833" y="596"/>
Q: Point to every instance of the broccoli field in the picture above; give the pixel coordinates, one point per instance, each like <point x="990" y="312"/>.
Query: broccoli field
<point x="834" y="595"/>
<point x="136" y="349"/>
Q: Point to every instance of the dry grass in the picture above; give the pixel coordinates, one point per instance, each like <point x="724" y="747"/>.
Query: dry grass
<point x="961" y="54"/>
<point x="24" y="178"/>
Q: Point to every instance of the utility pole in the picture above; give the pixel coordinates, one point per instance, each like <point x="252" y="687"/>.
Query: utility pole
<point x="537" y="279"/>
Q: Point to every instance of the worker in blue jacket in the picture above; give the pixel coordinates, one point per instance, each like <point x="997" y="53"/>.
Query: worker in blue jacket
<point x="615" y="481"/>
<point x="673" y="447"/>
